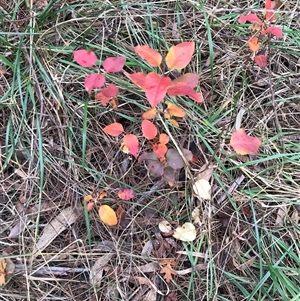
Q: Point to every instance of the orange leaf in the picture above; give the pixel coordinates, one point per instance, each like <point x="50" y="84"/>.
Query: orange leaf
<point x="191" y="79"/>
<point x="156" y="88"/>
<point x="102" y="195"/>
<point x="151" y="56"/>
<point x="138" y="79"/>
<point x="149" y="129"/>
<point x="175" y="111"/>
<point x="164" y="138"/>
<point x="253" y="43"/>
<point x="150" y="114"/>
<point x="180" y="55"/>
<point x="261" y="59"/>
<point x="114" y="129"/>
<point x="174" y="122"/>
<point x="183" y="89"/>
<point x="102" y="98"/>
<point x="107" y="215"/>
<point x="132" y="143"/>
<point x="88" y="198"/>
<point x="244" y="144"/>
<point x="113" y="103"/>
<point x="168" y="270"/>
<point x="160" y="150"/>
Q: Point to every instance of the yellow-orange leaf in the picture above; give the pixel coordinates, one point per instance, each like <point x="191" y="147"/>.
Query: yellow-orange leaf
<point x="88" y="198"/>
<point x="253" y="43"/>
<point x="114" y="129"/>
<point x="151" y="56"/>
<point x="180" y="55"/>
<point x="150" y="114"/>
<point x="164" y="138"/>
<point x="108" y="215"/>
<point x="174" y="110"/>
<point x="244" y="144"/>
<point x="2" y="271"/>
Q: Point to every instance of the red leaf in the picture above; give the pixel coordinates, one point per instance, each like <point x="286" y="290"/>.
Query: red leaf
<point x="102" y="98"/>
<point x="164" y="138"/>
<point x="132" y="143"/>
<point x="275" y="31"/>
<point x="261" y="60"/>
<point x="85" y="58"/>
<point x="270" y="16"/>
<point x="183" y="89"/>
<point x="156" y="88"/>
<point x="126" y="194"/>
<point x="191" y="79"/>
<point x="138" y="79"/>
<point x="151" y="56"/>
<point x="244" y="144"/>
<point x="110" y="91"/>
<point x="160" y="150"/>
<point x="149" y="129"/>
<point x="93" y="81"/>
<point x="253" y="18"/>
<point x="180" y="55"/>
<point x="114" y="64"/>
<point x="114" y="129"/>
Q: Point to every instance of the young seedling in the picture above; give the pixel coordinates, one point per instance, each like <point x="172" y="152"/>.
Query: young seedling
<point x="261" y="28"/>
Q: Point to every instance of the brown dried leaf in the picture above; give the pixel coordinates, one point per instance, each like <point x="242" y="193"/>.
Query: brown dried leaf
<point x="97" y="269"/>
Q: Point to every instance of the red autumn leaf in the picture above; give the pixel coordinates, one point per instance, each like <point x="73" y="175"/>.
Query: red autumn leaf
<point x="149" y="129"/>
<point x="107" y="215"/>
<point x="93" y="81"/>
<point x="138" y="79"/>
<point x="151" y="56"/>
<point x="275" y="31"/>
<point x="102" y="98"/>
<point x="150" y="114"/>
<point x="132" y="143"/>
<point x="160" y="150"/>
<point x="85" y="58"/>
<point x="156" y="88"/>
<point x="261" y="59"/>
<point x="126" y="194"/>
<point x="244" y="144"/>
<point x="114" y="64"/>
<point x="183" y="89"/>
<point x="90" y="206"/>
<point x="114" y="129"/>
<point x="253" y="18"/>
<point x="270" y="16"/>
<point x="191" y="79"/>
<point x="253" y="43"/>
<point x="164" y="138"/>
<point x="174" y="110"/>
<point x="180" y="55"/>
<point x="110" y="91"/>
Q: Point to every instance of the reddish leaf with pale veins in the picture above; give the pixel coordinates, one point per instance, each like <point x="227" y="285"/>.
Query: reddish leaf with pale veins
<point x="270" y="16"/>
<point x="102" y="98"/>
<point x="191" y="79"/>
<point x="275" y="31"/>
<point x="85" y="58"/>
<point x="114" y="129"/>
<point x="132" y="143"/>
<point x="261" y="60"/>
<point x="253" y="18"/>
<point x="244" y="144"/>
<point x="149" y="129"/>
<point x="93" y="81"/>
<point x="156" y="88"/>
<point x="151" y="56"/>
<point x="182" y="89"/>
<point x="110" y="91"/>
<point x="138" y="79"/>
<point x="180" y="55"/>
<point x="114" y="64"/>
<point x="126" y="194"/>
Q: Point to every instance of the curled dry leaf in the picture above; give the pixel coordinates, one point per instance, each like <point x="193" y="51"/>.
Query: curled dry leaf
<point x="187" y="232"/>
<point x="196" y="215"/>
<point x="98" y="268"/>
<point x="202" y="189"/>
<point x="165" y="227"/>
